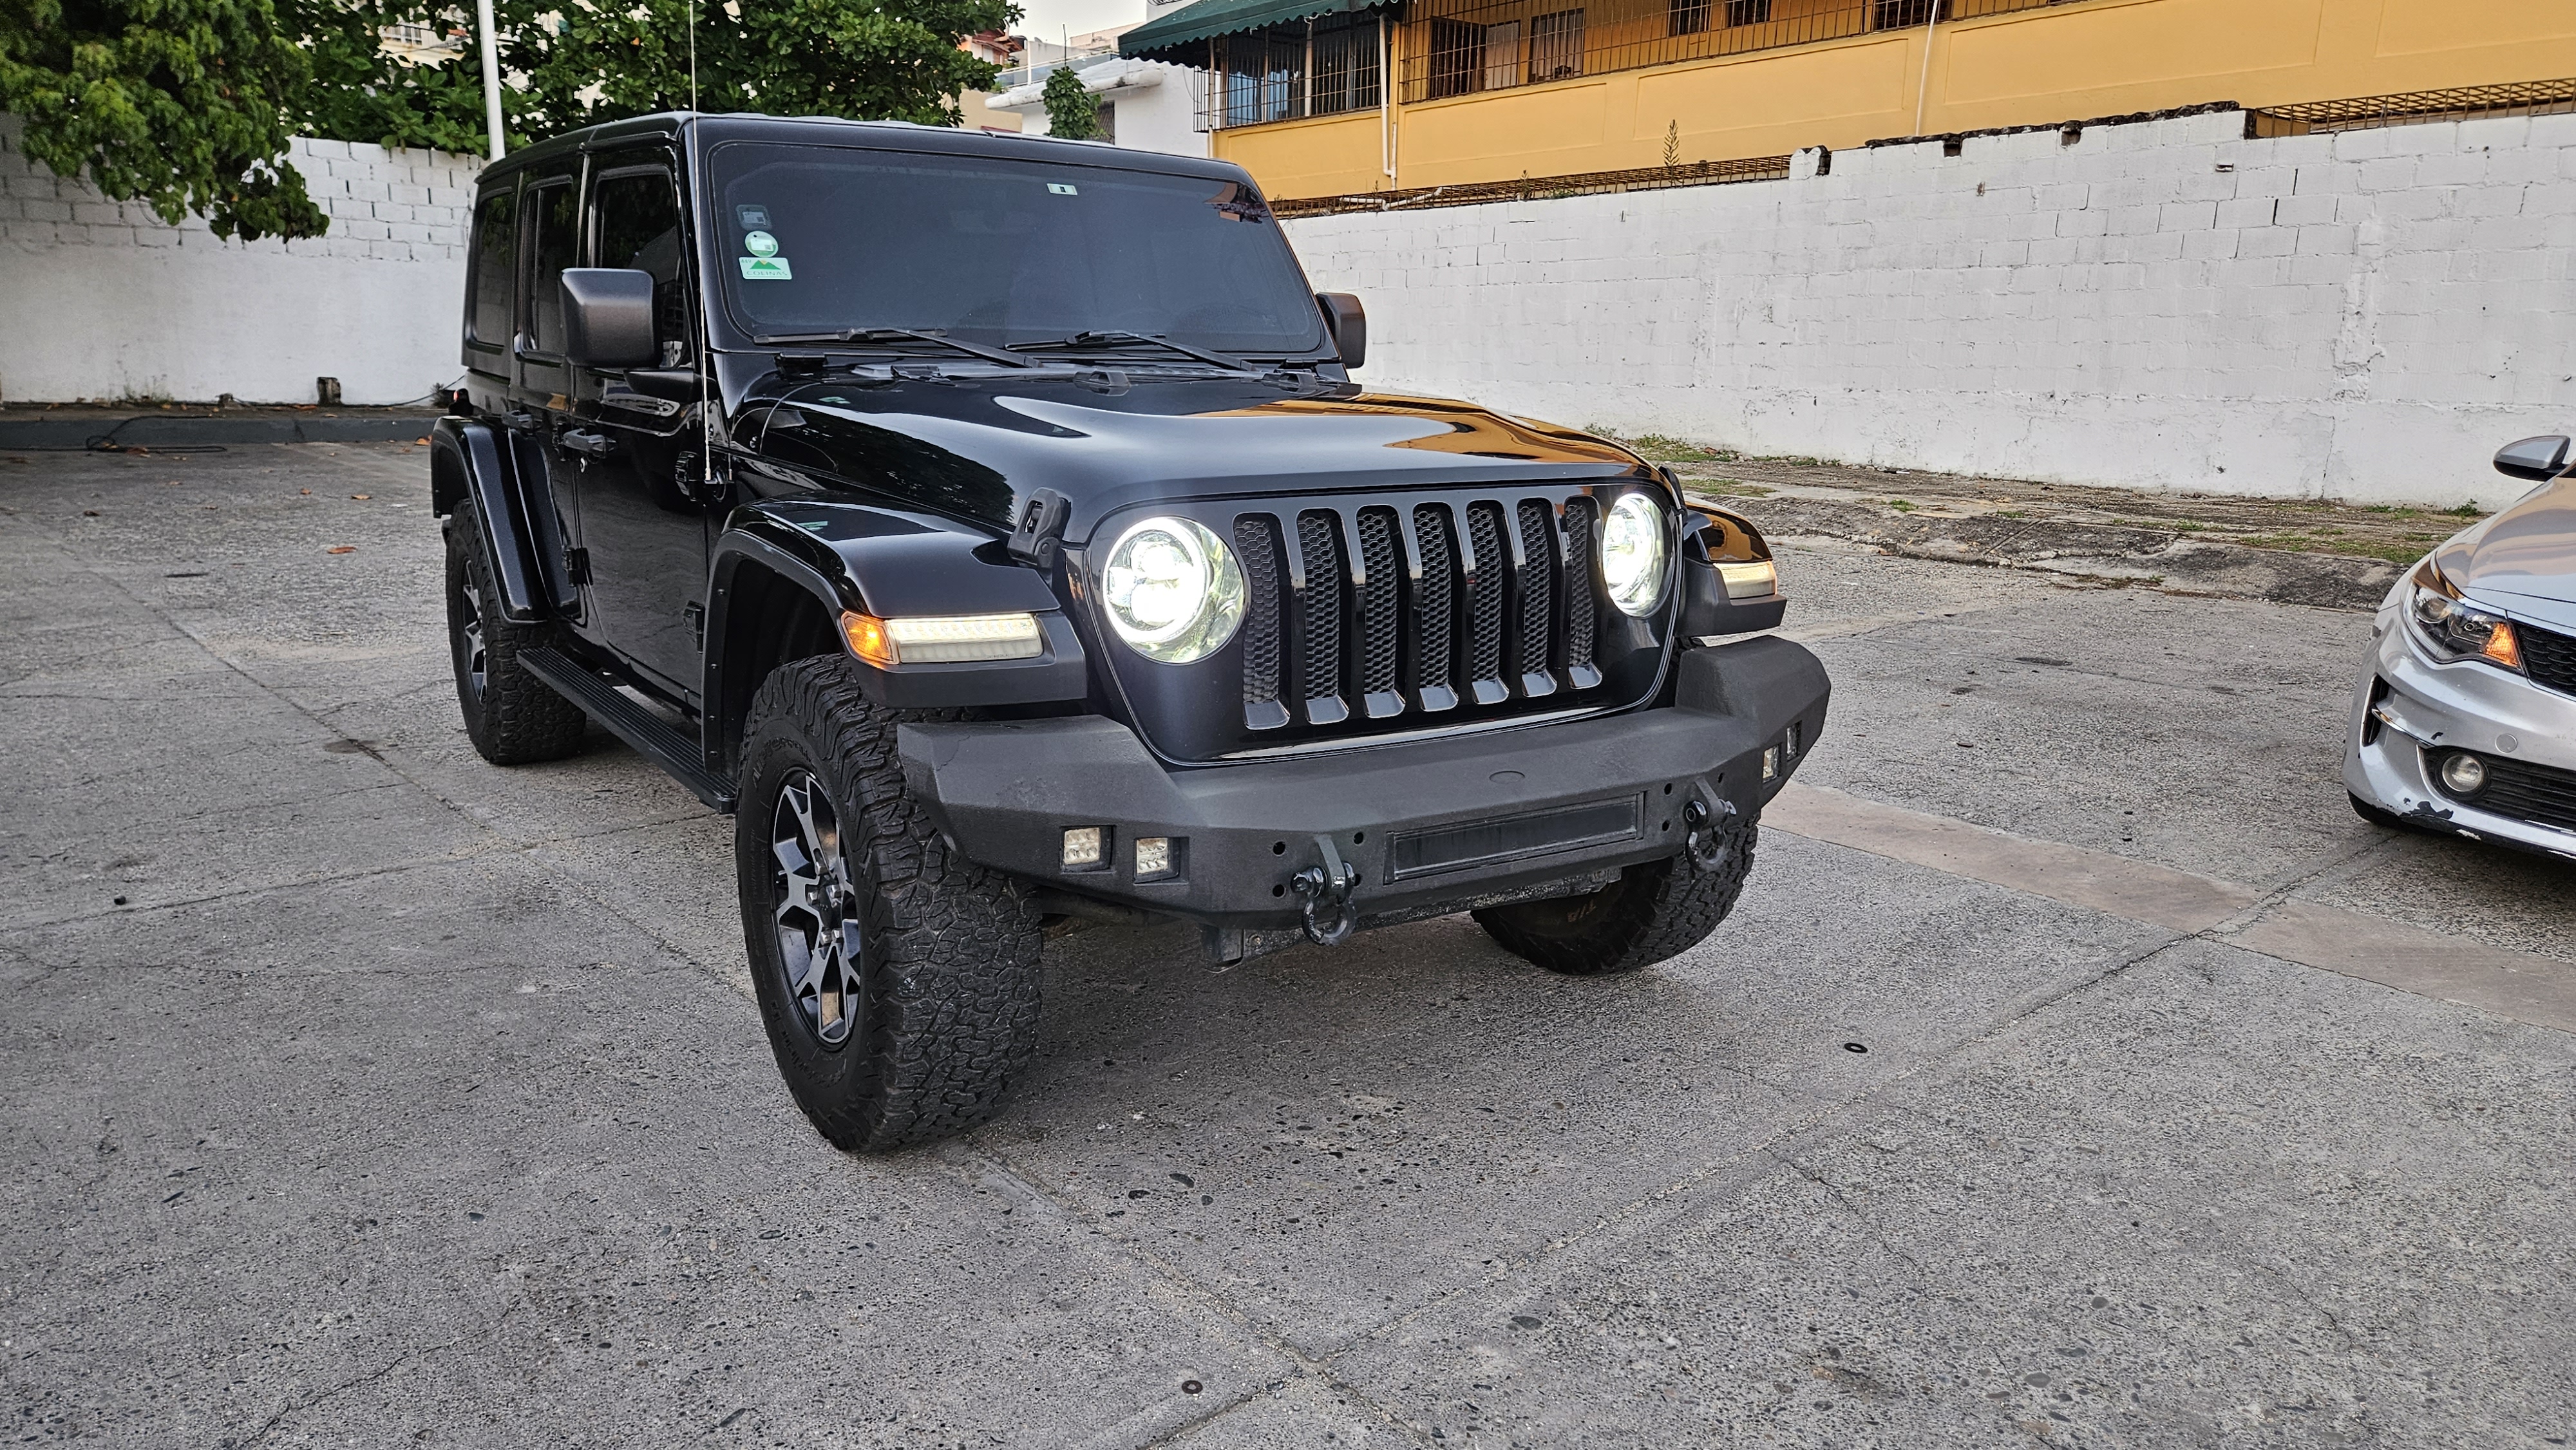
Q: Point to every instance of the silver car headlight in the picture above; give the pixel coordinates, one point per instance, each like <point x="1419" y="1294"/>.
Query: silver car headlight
<point x="1632" y="554"/>
<point x="2450" y="628"/>
<point x="1173" y="590"/>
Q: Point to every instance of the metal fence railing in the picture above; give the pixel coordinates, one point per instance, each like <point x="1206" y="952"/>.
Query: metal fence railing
<point x="2522" y="98"/>
<point x="1541" y="188"/>
<point x="1459" y="47"/>
<point x="1319" y="67"/>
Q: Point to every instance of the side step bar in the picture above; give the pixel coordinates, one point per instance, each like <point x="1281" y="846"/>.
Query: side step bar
<point x="632" y="723"/>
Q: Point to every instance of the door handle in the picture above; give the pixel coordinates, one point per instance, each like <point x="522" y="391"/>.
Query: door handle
<point x="587" y="443"/>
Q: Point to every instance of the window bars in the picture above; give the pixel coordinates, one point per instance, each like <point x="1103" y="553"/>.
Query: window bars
<point x="1541" y="188"/>
<point x="1319" y="67"/>
<point x="1458" y="47"/>
<point x="2467" y="103"/>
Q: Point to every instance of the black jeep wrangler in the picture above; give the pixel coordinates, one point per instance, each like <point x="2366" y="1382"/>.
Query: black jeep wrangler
<point x="991" y="524"/>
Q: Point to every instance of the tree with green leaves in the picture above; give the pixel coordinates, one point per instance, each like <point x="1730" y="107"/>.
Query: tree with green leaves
<point x="182" y="105"/>
<point x="362" y="92"/>
<point x="186" y="105"/>
<point x="587" y="61"/>
<point x="1073" y="112"/>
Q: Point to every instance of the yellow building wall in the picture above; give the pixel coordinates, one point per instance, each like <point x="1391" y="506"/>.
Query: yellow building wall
<point x="1326" y="156"/>
<point x="2065" y="62"/>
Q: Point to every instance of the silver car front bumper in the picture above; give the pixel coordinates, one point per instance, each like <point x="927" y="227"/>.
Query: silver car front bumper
<point x="2430" y="706"/>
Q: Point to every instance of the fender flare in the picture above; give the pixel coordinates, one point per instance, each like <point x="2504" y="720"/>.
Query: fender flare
<point x="849" y="557"/>
<point x="517" y="530"/>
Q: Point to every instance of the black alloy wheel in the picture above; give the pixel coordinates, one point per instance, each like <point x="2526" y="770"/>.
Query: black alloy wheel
<point x="512" y="717"/>
<point x="473" y="660"/>
<point x="815" y="908"/>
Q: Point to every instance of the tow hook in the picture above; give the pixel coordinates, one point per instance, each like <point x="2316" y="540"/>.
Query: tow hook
<point x="1330" y="914"/>
<point x="1707" y="848"/>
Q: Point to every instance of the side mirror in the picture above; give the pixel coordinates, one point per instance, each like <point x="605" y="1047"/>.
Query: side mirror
<point x="608" y="318"/>
<point x="2538" y="459"/>
<point x="1348" y="325"/>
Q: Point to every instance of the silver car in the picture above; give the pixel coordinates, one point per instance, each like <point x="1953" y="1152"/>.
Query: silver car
<point x="2464" y="722"/>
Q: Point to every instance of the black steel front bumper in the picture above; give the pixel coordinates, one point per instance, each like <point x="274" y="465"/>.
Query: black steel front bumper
<point x="1427" y="826"/>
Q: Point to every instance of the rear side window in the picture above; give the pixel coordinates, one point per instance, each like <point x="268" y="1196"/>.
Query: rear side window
<point x="638" y="216"/>
<point x="552" y="239"/>
<point x="496" y="262"/>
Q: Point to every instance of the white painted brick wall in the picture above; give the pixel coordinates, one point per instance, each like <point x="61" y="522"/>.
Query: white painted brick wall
<point x="2363" y="316"/>
<point x="104" y="300"/>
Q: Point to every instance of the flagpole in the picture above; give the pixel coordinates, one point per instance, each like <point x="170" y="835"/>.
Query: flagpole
<point x="491" y="75"/>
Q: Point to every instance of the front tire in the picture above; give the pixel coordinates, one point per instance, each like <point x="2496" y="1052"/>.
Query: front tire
<point x="512" y="717"/>
<point x="1652" y="912"/>
<point x="898" y="981"/>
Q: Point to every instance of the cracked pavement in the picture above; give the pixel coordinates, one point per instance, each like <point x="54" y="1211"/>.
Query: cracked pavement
<point x="359" y="1092"/>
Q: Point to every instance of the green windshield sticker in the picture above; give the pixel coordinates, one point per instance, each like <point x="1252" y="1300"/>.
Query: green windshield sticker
<point x="1062" y="188"/>
<point x="760" y="244"/>
<point x="765" y="269"/>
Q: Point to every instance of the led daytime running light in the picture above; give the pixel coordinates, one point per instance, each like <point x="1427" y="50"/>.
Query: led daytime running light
<point x="944" y="639"/>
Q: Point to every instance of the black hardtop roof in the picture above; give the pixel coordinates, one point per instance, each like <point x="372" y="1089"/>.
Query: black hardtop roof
<point x="713" y="128"/>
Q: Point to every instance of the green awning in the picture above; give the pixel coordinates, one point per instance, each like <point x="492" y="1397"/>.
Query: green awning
<point x="1226" y="17"/>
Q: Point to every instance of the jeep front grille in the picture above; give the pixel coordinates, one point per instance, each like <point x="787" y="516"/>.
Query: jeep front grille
<point x="1387" y="613"/>
<point x="1528" y="581"/>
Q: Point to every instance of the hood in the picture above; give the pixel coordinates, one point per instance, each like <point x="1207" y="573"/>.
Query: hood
<point x="2523" y="560"/>
<point x="976" y="447"/>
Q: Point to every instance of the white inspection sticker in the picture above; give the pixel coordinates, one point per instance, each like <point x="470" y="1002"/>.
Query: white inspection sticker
<point x="765" y="269"/>
<point x="1062" y="188"/>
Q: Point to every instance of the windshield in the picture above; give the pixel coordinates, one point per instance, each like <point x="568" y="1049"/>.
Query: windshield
<point x="829" y="238"/>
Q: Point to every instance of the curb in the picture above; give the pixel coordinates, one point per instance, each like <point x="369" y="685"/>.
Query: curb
<point x="2102" y="554"/>
<point x="105" y="435"/>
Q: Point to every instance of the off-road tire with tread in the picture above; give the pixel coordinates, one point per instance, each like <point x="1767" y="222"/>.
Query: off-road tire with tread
<point x="1652" y="912"/>
<point x="947" y="986"/>
<point x="515" y="719"/>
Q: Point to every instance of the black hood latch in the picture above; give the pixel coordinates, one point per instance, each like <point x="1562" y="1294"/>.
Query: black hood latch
<point x="1040" y="533"/>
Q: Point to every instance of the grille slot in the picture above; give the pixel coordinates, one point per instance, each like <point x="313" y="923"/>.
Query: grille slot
<point x="1319" y="549"/>
<point x="1485" y="603"/>
<point x="1435" y="609"/>
<point x="2548" y="657"/>
<point x="1256" y="542"/>
<point x="1381" y="628"/>
<point x="1580" y="615"/>
<point x="1537" y="596"/>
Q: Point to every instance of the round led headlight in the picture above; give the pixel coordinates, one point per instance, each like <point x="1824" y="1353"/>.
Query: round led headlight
<point x="1632" y="554"/>
<point x="1173" y="590"/>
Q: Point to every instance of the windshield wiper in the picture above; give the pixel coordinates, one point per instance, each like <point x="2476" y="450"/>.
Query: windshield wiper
<point x="896" y="334"/>
<point x="1087" y="339"/>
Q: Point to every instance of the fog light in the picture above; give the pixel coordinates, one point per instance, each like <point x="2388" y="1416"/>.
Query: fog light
<point x="1082" y="846"/>
<point x="1153" y="855"/>
<point x="1771" y="762"/>
<point x="2463" y="774"/>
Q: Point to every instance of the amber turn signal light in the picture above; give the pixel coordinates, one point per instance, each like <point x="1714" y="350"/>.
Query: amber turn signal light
<point x="2502" y="647"/>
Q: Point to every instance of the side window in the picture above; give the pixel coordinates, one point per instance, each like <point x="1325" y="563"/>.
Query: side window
<point x="552" y="239"/>
<point x="637" y="214"/>
<point x="496" y="261"/>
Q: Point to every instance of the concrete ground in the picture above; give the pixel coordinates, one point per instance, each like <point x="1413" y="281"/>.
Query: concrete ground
<point x="358" y="1092"/>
